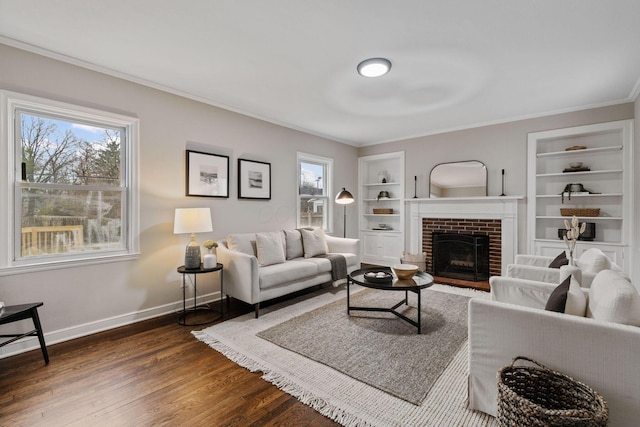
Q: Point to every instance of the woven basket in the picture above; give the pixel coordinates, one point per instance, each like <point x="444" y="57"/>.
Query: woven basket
<point x="382" y="211"/>
<point x="580" y="211"/>
<point x="539" y="397"/>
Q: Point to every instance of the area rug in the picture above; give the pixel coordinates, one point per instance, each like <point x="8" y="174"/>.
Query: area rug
<point x="378" y="348"/>
<point x="333" y="393"/>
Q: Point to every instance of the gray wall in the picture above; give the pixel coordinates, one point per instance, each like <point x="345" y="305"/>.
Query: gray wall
<point x="118" y="292"/>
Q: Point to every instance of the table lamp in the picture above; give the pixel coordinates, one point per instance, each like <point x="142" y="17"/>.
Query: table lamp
<point x="192" y="220"/>
<point x="344" y="198"/>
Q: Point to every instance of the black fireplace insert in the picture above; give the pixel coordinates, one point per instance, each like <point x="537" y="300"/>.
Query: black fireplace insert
<point x="461" y="256"/>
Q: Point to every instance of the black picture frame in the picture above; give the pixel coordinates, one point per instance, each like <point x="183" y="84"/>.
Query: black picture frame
<point x="207" y="175"/>
<point x="254" y="179"/>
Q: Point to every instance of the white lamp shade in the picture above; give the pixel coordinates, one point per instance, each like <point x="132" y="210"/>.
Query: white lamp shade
<point x="192" y="220"/>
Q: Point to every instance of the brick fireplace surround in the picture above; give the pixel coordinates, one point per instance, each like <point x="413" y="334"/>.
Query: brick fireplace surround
<point x="489" y="227"/>
<point x="495" y="216"/>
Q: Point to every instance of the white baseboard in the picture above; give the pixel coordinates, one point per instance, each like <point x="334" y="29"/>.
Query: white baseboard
<point x="61" y="335"/>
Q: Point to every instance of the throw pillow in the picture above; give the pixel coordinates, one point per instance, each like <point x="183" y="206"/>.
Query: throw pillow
<point x="613" y="298"/>
<point x="314" y="242"/>
<point x="293" y="243"/>
<point x="593" y="260"/>
<point x="559" y="261"/>
<point x="242" y="242"/>
<point x="568" y="298"/>
<point x="270" y="248"/>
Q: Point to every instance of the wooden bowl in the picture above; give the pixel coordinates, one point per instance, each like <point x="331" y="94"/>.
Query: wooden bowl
<point x="404" y="271"/>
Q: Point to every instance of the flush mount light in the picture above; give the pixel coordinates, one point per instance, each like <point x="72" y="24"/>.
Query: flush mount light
<point x="374" y="67"/>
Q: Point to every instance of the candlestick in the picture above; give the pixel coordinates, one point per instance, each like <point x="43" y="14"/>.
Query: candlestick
<point x="503" y="183"/>
<point x="415" y="187"/>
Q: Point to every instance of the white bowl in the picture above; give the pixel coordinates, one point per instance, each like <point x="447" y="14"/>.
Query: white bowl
<point x="575" y="164"/>
<point x="404" y="271"/>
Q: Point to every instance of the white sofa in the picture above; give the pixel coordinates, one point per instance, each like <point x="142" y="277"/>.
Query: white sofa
<point x="601" y="350"/>
<point x="247" y="278"/>
<point x="536" y="267"/>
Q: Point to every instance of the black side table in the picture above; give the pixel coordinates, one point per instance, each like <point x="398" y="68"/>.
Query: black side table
<point x="182" y="318"/>
<point x="13" y="313"/>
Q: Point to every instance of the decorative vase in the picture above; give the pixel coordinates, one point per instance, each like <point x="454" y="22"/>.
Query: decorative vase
<point x="209" y="260"/>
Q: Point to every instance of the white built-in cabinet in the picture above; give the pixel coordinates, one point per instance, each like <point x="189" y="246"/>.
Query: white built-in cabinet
<point x="608" y="156"/>
<point x="377" y="173"/>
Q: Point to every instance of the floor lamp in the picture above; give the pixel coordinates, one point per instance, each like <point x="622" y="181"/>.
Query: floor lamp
<point x="344" y="198"/>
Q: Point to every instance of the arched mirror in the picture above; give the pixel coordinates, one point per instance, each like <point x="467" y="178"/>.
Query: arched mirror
<point x="458" y="179"/>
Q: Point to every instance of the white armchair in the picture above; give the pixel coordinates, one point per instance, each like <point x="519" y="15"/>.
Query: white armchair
<point x="536" y="267"/>
<point x="600" y="353"/>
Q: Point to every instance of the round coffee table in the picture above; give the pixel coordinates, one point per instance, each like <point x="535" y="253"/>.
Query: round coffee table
<point x="419" y="281"/>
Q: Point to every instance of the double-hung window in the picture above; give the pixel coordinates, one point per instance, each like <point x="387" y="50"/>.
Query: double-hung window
<point x="314" y="188"/>
<point x="71" y="190"/>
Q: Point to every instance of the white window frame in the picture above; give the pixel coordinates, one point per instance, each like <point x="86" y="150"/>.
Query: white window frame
<point x="327" y="185"/>
<point x="10" y="159"/>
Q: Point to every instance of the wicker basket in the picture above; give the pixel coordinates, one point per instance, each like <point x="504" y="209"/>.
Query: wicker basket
<point x="382" y="211"/>
<point x="580" y="211"/>
<point x="537" y="396"/>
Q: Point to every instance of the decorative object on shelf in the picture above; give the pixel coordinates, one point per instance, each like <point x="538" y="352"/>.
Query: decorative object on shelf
<point x="576" y="167"/>
<point x="415" y="187"/>
<point x="344" y="198"/>
<point x="382" y="211"/>
<point x="574" y="230"/>
<point x="503" y="194"/>
<point x="254" y="179"/>
<point x="209" y="260"/>
<point x="207" y="175"/>
<point x="383" y="176"/>
<point x="192" y="220"/>
<point x="575" y="147"/>
<point x="580" y="212"/>
<point x="383" y="195"/>
<point x="589" y="233"/>
<point x="575" y="189"/>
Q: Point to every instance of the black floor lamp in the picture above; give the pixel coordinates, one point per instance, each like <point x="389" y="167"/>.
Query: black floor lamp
<point x="344" y="198"/>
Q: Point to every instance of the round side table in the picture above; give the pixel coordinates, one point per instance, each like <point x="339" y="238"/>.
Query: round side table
<point x="182" y="317"/>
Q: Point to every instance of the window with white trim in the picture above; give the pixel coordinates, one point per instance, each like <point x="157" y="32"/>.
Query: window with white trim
<point x="72" y="182"/>
<point x="314" y="188"/>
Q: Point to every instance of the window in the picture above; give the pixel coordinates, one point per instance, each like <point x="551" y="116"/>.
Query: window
<point x="314" y="187"/>
<point x="72" y="183"/>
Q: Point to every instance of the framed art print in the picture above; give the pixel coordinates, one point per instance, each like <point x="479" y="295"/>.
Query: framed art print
<point x="207" y="174"/>
<point x="254" y="179"/>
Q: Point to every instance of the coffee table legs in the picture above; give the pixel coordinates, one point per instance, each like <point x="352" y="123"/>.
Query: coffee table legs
<point x="392" y="310"/>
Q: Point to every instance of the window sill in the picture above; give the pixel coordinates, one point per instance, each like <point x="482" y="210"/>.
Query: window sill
<point x="56" y="265"/>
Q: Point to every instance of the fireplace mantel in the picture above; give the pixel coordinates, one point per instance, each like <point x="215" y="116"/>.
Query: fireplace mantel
<point x="504" y="208"/>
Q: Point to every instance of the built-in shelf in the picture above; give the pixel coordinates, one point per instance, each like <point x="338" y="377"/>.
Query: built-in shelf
<point x="607" y="155"/>
<point x="381" y="247"/>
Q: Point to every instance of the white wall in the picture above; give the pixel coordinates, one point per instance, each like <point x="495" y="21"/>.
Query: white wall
<point x="501" y="146"/>
<point x="82" y="300"/>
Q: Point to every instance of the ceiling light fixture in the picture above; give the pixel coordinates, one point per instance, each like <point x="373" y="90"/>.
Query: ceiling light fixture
<point x="374" y="67"/>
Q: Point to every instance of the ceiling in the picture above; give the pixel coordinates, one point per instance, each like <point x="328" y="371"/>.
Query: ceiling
<point x="456" y="64"/>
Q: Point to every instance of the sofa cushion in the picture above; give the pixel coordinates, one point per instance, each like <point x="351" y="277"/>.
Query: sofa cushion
<point x="293" y="243"/>
<point x="314" y="242"/>
<point x="613" y="298"/>
<point x="593" y="260"/>
<point x="270" y="248"/>
<point x="278" y="274"/>
<point x="559" y="261"/>
<point x="568" y="298"/>
<point x="243" y="242"/>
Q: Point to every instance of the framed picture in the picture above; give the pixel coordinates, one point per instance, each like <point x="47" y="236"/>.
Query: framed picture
<point x="207" y="174"/>
<point x="254" y="179"/>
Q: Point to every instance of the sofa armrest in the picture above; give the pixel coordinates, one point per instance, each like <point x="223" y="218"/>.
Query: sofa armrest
<point x="343" y="245"/>
<point x="531" y="272"/>
<point x="527" y="293"/>
<point x="240" y="274"/>
<point x="602" y="355"/>
<point x="537" y="260"/>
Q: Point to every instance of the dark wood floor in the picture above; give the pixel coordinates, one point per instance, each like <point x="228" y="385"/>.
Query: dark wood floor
<point x="152" y="373"/>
